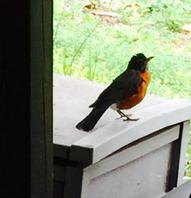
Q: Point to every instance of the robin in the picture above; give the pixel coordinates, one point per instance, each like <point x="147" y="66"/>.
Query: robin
<point x="126" y="91"/>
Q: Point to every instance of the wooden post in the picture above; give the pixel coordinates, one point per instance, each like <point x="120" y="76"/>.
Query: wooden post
<point x="26" y="98"/>
<point x="41" y="99"/>
<point x="183" y="149"/>
<point x="15" y="98"/>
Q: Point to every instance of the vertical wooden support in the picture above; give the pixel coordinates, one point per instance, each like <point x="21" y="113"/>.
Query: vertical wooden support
<point x="15" y="98"/>
<point x="41" y="99"/>
<point x="183" y="149"/>
<point x="73" y="181"/>
<point x="173" y="166"/>
<point x="178" y="158"/>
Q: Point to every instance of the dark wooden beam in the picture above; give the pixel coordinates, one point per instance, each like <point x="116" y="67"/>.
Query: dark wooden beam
<point x="172" y="177"/>
<point x="26" y="99"/>
<point x="15" y="98"/>
<point x="41" y="99"/>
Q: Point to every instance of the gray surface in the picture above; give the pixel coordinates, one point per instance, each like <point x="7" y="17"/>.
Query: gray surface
<point x="144" y="177"/>
<point x="135" y="171"/>
<point x="183" y="191"/>
<point x="138" y="170"/>
<point x="71" y="100"/>
<point x="131" y="153"/>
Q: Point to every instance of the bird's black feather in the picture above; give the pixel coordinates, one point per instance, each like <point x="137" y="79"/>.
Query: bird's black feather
<point x="124" y="85"/>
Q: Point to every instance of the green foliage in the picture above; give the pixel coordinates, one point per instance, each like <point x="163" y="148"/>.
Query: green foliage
<point x="87" y="47"/>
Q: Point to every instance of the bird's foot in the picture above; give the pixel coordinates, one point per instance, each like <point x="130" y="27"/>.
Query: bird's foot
<point x="130" y="119"/>
<point x="126" y="117"/>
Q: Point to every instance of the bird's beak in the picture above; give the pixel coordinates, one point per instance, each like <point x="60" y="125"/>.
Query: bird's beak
<point x="148" y="59"/>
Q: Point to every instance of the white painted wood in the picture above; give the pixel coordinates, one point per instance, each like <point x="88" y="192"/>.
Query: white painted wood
<point x="71" y="100"/>
<point x="117" y="134"/>
<point x="140" y="169"/>
<point x="132" y="153"/>
<point x="143" y="177"/>
<point x="85" y="184"/>
<point x="183" y="191"/>
<point x="183" y="149"/>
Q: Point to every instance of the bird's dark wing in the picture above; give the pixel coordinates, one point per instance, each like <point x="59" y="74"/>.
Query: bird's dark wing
<point x="124" y="85"/>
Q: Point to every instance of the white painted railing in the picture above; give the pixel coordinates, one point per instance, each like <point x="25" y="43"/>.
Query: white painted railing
<point x="117" y="159"/>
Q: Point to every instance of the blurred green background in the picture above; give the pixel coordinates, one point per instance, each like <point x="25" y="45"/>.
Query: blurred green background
<point x="95" y="39"/>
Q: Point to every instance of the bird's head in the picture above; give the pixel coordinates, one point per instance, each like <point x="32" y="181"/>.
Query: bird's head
<point x="139" y="62"/>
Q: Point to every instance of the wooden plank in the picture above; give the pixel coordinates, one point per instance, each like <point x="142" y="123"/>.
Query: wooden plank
<point x="109" y="134"/>
<point x="47" y="22"/>
<point x="183" y="191"/>
<point x="15" y="98"/>
<point x="117" y="134"/>
<point x="172" y="177"/>
<point x="59" y="173"/>
<point x="73" y="182"/>
<point x="82" y="155"/>
<point x="71" y="106"/>
<point x="183" y="149"/>
<point x="58" y="189"/>
<point x="61" y="151"/>
<point x="41" y="99"/>
<point x="178" y="158"/>
<point x="133" y="152"/>
<point x="143" y="177"/>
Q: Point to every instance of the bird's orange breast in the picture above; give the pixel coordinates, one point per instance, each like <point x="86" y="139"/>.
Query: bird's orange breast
<point x="131" y="101"/>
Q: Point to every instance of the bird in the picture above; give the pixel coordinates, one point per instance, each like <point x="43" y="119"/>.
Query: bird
<point x="126" y="91"/>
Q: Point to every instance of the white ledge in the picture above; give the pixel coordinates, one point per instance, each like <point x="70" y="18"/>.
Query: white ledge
<point x="71" y="100"/>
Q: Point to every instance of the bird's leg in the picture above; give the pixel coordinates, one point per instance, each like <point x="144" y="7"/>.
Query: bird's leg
<point x="122" y="115"/>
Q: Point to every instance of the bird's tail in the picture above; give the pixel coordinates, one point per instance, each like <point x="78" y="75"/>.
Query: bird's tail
<point x="90" y="120"/>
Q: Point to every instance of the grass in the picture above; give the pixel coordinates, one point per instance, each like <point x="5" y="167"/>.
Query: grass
<point x="98" y="48"/>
